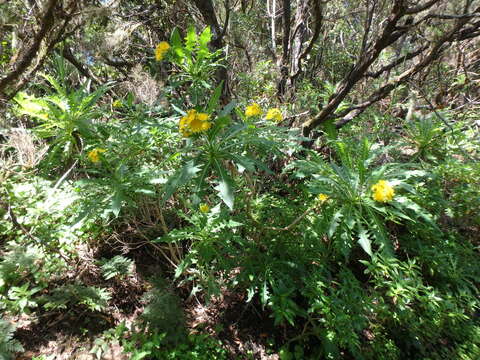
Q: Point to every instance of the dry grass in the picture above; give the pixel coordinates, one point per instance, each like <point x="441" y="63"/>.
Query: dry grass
<point x="145" y="88"/>
<point x="22" y="149"/>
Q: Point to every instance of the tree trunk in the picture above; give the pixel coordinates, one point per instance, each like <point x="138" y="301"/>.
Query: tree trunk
<point x="207" y="10"/>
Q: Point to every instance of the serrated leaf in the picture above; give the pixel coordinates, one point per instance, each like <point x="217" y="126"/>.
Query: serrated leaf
<point x="205" y="38"/>
<point x="246" y="162"/>
<point x="334" y="223"/>
<point x="250" y="294"/>
<point x="364" y="241"/>
<point x="175" y="39"/>
<point x="264" y="294"/>
<point x="190" y="39"/>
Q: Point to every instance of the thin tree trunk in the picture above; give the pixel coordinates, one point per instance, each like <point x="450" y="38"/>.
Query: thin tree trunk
<point x="282" y="85"/>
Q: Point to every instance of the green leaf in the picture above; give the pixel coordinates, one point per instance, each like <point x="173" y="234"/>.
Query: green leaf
<point x="334" y="223"/>
<point x="228" y="108"/>
<point x="245" y="162"/>
<point x="180" y="178"/>
<point x="330" y="129"/>
<point x="140" y="355"/>
<point x="205" y="38"/>
<point x="364" y="241"/>
<point x="213" y="102"/>
<point x="116" y="204"/>
<point x="175" y="39"/>
<point x="190" y="39"/>
<point x="225" y="186"/>
<point x="264" y="294"/>
<point x="176" y="42"/>
<point x="178" y="110"/>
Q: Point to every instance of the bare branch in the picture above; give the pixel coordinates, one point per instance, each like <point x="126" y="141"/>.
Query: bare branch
<point x="422" y="7"/>
<point x="389" y="35"/>
<point x="452" y="17"/>
<point x="67" y="54"/>
<point x="435" y="51"/>
<point x="397" y="61"/>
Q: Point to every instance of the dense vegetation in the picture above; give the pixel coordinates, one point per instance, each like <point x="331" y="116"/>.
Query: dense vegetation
<point x="207" y="179"/>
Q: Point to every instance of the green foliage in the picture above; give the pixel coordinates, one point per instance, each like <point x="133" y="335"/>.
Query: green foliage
<point x="34" y="253"/>
<point x="196" y="63"/>
<point x="118" y="266"/>
<point x="65" y="116"/>
<point x="426" y="135"/>
<point x="153" y="346"/>
<point x="236" y="205"/>
<point x="241" y="144"/>
<point x="351" y="214"/>
<point x="308" y="276"/>
<point x="63" y="297"/>
<point x="8" y="345"/>
<point x="163" y="314"/>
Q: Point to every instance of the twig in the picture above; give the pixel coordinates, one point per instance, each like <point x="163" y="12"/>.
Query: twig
<point x="24" y="230"/>
<point x="295" y="222"/>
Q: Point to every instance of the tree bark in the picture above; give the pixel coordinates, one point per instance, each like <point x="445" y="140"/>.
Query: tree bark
<point x="207" y="10"/>
<point x="53" y="23"/>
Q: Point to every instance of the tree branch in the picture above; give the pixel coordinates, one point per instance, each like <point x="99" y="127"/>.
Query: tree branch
<point x="397" y="61"/>
<point x="435" y="51"/>
<point x="389" y="35"/>
<point x="420" y="8"/>
<point x="46" y="25"/>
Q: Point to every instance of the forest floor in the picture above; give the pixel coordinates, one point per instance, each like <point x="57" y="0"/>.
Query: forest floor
<point x="75" y="334"/>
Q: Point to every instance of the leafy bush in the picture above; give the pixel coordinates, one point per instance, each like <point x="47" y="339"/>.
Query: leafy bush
<point x="363" y="195"/>
<point x="65" y="116"/>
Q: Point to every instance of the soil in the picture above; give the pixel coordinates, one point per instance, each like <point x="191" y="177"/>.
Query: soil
<point x="244" y="328"/>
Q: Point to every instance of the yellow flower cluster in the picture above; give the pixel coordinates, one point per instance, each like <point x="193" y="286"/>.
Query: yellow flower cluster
<point x="323" y="197"/>
<point x="117" y="104"/>
<point x="383" y="191"/>
<point x="94" y="155"/>
<point x="253" y="110"/>
<point x="161" y="50"/>
<point x="274" y="114"/>
<point x="204" y="208"/>
<point x="194" y="122"/>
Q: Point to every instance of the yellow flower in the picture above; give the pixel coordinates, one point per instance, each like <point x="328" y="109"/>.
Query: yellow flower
<point x="204" y="208"/>
<point x="117" y="104"/>
<point x="383" y="191"/>
<point x="94" y="155"/>
<point x="323" y="197"/>
<point x="202" y="116"/>
<point x="161" y="50"/>
<point x="194" y="122"/>
<point x="274" y="114"/>
<point x="253" y="110"/>
<point x="183" y="127"/>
